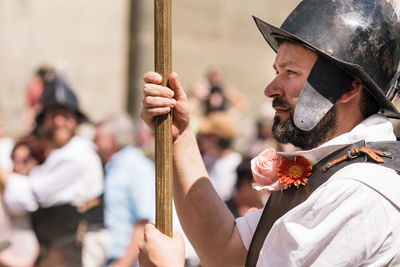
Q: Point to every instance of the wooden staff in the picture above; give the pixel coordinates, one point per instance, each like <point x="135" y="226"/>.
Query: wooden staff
<point x="163" y="130"/>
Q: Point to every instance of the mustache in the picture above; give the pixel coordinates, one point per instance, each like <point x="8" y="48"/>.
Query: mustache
<point x="281" y="103"/>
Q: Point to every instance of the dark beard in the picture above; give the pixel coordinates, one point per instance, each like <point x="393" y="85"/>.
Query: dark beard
<point x="287" y="132"/>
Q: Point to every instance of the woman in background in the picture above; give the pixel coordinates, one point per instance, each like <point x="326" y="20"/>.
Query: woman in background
<point x="27" y="153"/>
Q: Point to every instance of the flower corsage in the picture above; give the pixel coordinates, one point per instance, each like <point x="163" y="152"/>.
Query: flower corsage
<point x="264" y="168"/>
<point x="273" y="172"/>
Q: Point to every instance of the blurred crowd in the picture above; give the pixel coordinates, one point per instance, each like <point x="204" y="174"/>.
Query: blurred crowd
<point x="73" y="199"/>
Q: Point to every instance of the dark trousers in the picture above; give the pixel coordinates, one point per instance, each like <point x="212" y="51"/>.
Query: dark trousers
<point x="64" y="252"/>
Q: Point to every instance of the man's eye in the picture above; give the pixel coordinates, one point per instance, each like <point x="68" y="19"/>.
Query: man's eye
<point x="291" y="72"/>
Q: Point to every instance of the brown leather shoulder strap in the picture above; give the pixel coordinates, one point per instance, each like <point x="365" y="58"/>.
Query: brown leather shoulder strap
<point x="391" y="147"/>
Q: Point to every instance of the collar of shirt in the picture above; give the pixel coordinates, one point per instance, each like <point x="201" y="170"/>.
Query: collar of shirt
<point x="373" y="129"/>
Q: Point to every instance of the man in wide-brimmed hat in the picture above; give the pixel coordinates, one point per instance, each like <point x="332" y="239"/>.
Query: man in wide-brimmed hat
<point x="336" y="202"/>
<point x="63" y="193"/>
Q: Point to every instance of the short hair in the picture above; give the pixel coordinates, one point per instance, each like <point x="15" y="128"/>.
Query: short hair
<point x="243" y="172"/>
<point x="120" y="125"/>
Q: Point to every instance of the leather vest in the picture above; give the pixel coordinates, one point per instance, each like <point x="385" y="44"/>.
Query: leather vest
<point x="280" y="202"/>
<point x="60" y="230"/>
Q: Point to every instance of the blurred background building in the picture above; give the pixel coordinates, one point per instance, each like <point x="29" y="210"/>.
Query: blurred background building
<point x="104" y="47"/>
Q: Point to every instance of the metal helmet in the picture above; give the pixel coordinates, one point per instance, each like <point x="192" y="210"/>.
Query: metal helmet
<point x="59" y="94"/>
<point x="354" y="40"/>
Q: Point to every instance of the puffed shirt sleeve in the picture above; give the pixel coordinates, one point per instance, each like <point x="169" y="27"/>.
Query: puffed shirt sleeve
<point x="71" y="174"/>
<point x="18" y="195"/>
<point x="343" y="223"/>
<point x="51" y="184"/>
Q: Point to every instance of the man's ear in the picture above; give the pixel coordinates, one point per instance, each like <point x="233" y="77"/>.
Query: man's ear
<point x="355" y="90"/>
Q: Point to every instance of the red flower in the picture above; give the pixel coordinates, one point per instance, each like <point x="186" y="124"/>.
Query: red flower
<point x="294" y="171"/>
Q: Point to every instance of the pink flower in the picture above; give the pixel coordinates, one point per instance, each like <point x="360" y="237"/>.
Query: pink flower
<point x="264" y="167"/>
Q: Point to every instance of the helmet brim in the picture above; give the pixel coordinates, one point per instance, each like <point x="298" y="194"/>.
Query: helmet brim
<point x="81" y="117"/>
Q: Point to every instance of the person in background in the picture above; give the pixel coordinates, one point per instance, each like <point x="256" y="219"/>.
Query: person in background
<point x="129" y="188"/>
<point x="244" y="197"/>
<point x="6" y="146"/>
<point x="222" y="97"/>
<point x="63" y="194"/>
<point x="28" y="152"/>
<point x="144" y="138"/>
<point x="43" y="75"/>
<point x="216" y="134"/>
<point x="263" y="138"/>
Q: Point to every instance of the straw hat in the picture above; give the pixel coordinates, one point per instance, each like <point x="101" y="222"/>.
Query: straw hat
<point x="219" y="124"/>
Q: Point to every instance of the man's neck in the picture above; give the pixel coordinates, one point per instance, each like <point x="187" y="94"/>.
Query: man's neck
<point x="112" y="154"/>
<point x="55" y="145"/>
<point x="344" y="125"/>
<point x="337" y="132"/>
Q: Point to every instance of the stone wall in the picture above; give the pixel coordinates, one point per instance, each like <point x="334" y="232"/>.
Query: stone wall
<point x="222" y="33"/>
<point x="90" y="39"/>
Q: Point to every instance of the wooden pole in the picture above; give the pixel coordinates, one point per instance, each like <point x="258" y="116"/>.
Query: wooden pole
<point x="163" y="130"/>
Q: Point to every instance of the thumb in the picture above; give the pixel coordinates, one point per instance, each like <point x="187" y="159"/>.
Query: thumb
<point x="175" y="85"/>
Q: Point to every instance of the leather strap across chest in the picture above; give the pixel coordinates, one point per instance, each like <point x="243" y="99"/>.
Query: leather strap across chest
<point x="280" y="202"/>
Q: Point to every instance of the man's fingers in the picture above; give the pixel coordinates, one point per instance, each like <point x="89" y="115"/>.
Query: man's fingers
<point x="157" y="90"/>
<point x="153" y="88"/>
<point x="174" y="84"/>
<point x="152" y="77"/>
<point x="155" y="106"/>
<point x="158" y="102"/>
<point x="142" y="244"/>
<point x="148" y="114"/>
<point x="148" y="229"/>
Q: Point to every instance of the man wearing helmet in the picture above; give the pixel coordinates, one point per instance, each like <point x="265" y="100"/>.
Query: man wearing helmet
<point x="63" y="193"/>
<point x="336" y="67"/>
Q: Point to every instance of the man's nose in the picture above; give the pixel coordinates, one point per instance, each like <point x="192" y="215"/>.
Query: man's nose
<point x="274" y="88"/>
<point x="59" y="119"/>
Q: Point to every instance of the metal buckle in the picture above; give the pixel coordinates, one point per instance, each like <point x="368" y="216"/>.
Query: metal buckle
<point x="352" y="154"/>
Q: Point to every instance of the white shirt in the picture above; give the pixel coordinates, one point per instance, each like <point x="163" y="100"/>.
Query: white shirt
<point x="223" y="175"/>
<point x="24" y="246"/>
<point x="6" y="146"/>
<point x="353" y="219"/>
<point x="71" y="174"/>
